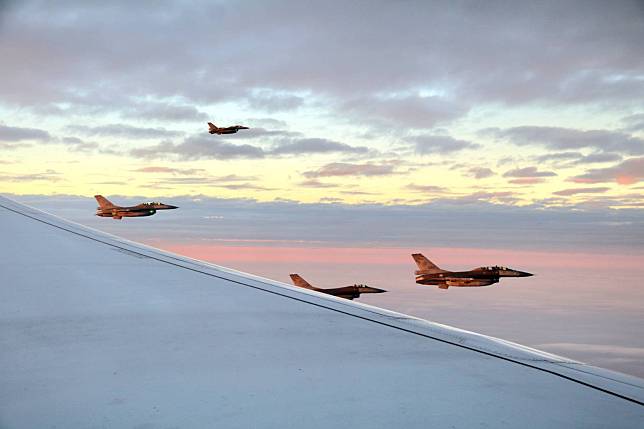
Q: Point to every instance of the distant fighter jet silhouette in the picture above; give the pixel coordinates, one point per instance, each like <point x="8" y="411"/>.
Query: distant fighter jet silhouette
<point x="348" y="292"/>
<point x="107" y="209"/>
<point x="214" y="129"/>
<point x="428" y="273"/>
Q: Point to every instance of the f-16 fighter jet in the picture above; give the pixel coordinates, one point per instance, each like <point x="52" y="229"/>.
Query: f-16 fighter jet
<point x="214" y="129"/>
<point x="348" y="292"/>
<point x="429" y="274"/>
<point x="107" y="209"/>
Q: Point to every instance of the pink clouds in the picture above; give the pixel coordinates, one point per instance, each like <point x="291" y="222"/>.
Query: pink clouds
<point x="527" y="181"/>
<point x="448" y="258"/>
<point x="624" y="173"/>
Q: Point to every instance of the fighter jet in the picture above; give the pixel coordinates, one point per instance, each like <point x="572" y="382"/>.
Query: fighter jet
<point x="214" y="129"/>
<point x="429" y="274"/>
<point x="107" y="209"/>
<point x="348" y="292"/>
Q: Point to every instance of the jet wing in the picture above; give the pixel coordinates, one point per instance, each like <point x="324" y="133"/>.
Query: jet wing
<point x="98" y="331"/>
<point x="349" y="297"/>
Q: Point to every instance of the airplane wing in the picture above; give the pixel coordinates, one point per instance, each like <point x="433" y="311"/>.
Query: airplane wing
<point x="98" y="331"/>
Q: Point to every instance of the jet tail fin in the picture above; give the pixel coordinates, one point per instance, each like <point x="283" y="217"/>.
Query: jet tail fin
<point x="212" y="127"/>
<point x="103" y="202"/>
<point x="425" y="266"/>
<point x="299" y="281"/>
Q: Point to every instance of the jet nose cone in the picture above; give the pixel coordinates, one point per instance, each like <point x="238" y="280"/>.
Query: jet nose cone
<point x="507" y="272"/>
<point x="168" y="206"/>
<point x="369" y="289"/>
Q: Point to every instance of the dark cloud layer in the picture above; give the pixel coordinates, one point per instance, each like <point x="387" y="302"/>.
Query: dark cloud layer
<point x="429" y="189"/>
<point x="315" y="145"/>
<point x="271" y="102"/>
<point x="208" y="147"/>
<point x="559" y="156"/>
<point x="46" y="176"/>
<point x="79" y="145"/>
<point x="445" y="222"/>
<point x="124" y="131"/>
<point x="497" y="197"/>
<point x="17" y="134"/>
<point x="432" y="61"/>
<point x="575" y="191"/>
<point x="199" y="147"/>
<point x="408" y="111"/>
<point x="577" y="158"/>
<point x="634" y="123"/>
<point x="481" y="172"/>
<point x="430" y="144"/>
<point x="528" y="172"/>
<point x="260" y="132"/>
<point x="568" y="138"/>
<point x="159" y="111"/>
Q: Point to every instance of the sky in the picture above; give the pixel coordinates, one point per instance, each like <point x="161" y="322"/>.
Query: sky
<point x="514" y="130"/>
<point x="512" y="103"/>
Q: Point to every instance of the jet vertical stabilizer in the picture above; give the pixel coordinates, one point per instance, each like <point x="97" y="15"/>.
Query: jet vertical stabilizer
<point x="425" y="266"/>
<point x="299" y="281"/>
<point x="103" y="202"/>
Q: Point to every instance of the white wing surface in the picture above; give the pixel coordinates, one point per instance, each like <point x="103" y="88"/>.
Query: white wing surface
<point x="97" y="331"/>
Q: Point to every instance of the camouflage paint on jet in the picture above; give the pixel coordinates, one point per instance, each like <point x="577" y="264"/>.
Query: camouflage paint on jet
<point x="348" y="292"/>
<point x="214" y="129"/>
<point x="107" y="209"/>
<point x="429" y="273"/>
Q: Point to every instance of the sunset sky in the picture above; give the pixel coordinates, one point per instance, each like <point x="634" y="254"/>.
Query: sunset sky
<point x="486" y="132"/>
<point x="385" y="102"/>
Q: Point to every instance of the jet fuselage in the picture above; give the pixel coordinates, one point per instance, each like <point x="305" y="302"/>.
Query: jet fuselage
<point x="107" y="209"/>
<point x="430" y="274"/>
<point x="347" y="292"/>
<point x="350" y="292"/>
<point x="213" y="129"/>
<point x="482" y="276"/>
